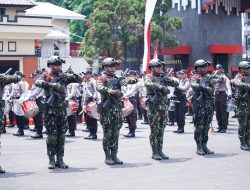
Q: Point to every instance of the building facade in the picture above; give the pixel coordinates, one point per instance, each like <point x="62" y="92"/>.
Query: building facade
<point x="18" y="33"/>
<point x="212" y="30"/>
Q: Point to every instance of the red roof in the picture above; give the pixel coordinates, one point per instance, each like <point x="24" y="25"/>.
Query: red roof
<point x="29" y="3"/>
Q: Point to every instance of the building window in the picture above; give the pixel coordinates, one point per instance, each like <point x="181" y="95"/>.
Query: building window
<point x="1" y="46"/>
<point x="12" y="46"/>
<point x="2" y="11"/>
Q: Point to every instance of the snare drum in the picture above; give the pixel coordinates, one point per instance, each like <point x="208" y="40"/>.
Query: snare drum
<point x="91" y="110"/>
<point x="71" y="108"/>
<point x="30" y="108"/>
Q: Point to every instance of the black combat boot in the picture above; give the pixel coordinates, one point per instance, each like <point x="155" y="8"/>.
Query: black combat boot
<point x="206" y="150"/>
<point x="114" y="157"/>
<point x="37" y="135"/>
<point x="52" y="163"/>
<point x="200" y="150"/>
<point x="19" y="133"/>
<point x="60" y="163"/>
<point x="162" y="155"/>
<point x="3" y="129"/>
<point x="108" y="159"/>
<point x="2" y="171"/>
<point x="248" y="140"/>
<point x="243" y="145"/>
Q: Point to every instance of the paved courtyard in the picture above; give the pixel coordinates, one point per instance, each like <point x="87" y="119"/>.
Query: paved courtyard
<point x="26" y="162"/>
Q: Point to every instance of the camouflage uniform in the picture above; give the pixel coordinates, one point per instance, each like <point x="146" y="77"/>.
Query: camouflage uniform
<point x="157" y="92"/>
<point x="110" y="110"/>
<point x="5" y="80"/>
<point x="54" y="85"/>
<point x="242" y="84"/>
<point x="203" y="107"/>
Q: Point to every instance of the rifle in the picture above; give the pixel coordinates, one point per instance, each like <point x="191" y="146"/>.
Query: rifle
<point x="107" y="103"/>
<point x="8" y="71"/>
<point x="208" y="83"/>
<point x="155" y="98"/>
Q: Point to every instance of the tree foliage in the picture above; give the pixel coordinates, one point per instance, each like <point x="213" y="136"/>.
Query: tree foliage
<point x="114" y="21"/>
<point x="112" y="27"/>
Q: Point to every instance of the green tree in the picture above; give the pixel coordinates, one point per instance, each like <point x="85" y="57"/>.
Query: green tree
<point x="117" y="25"/>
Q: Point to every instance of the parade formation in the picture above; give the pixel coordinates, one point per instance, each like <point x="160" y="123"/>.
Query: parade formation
<point x="58" y="100"/>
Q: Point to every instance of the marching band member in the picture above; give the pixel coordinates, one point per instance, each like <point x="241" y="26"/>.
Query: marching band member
<point x="37" y="95"/>
<point x="89" y="94"/>
<point x="19" y="94"/>
<point x="5" y="80"/>
<point x="130" y="94"/>
<point x="72" y="94"/>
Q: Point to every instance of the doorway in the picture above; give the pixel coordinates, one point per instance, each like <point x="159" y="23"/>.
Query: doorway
<point x="6" y="64"/>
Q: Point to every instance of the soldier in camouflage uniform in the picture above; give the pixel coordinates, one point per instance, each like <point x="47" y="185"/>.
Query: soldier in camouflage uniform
<point x="110" y="109"/>
<point x="54" y="85"/>
<point x="5" y="80"/>
<point x="156" y="84"/>
<point x="242" y="83"/>
<point x="203" y="89"/>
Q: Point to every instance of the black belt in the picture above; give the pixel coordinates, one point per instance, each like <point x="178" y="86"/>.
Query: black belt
<point x="220" y="92"/>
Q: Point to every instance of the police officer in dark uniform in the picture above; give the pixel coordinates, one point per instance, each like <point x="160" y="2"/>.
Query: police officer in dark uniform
<point x="181" y="105"/>
<point x="54" y="85"/>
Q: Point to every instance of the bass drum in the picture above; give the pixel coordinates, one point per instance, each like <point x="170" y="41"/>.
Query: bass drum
<point x="91" y="110"/>
<point x="30" y="109"/>
<point x="71" y="108"/>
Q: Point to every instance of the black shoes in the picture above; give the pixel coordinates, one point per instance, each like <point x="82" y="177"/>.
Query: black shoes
<point x="85" y="130"/>
<point x="129" y="135"/>
<point x="171" y="123"/>
<point x="37" y="136"/>
<point x="2" y="171"/>
<point x="91" y="137"/>
<point x="70" y="134"/>
<point x="179" y="130"/>
<point x="19" y="133"/>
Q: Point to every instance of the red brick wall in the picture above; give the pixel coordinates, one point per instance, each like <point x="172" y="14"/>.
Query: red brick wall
<point x="30" y="64"/>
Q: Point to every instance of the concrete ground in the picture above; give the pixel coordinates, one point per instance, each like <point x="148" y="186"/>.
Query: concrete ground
<point x="26" y="162"/>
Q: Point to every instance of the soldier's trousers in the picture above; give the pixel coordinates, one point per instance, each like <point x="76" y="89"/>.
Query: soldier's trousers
<point x="244" y="128"/>
<point x="111" y="123"/>
<point x="203" y="115"/>
<point x="132" y="118"/>
<point x="55" y="126"/>
<point x="157" y="122"/>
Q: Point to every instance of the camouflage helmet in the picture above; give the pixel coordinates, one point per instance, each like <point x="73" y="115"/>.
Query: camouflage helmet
<point x="155" y="63"/>
<point x="55" y="60"/>
<point x="200" y="63"/>
<point x="109" y="61"/>
<point x="244" y="65"/>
